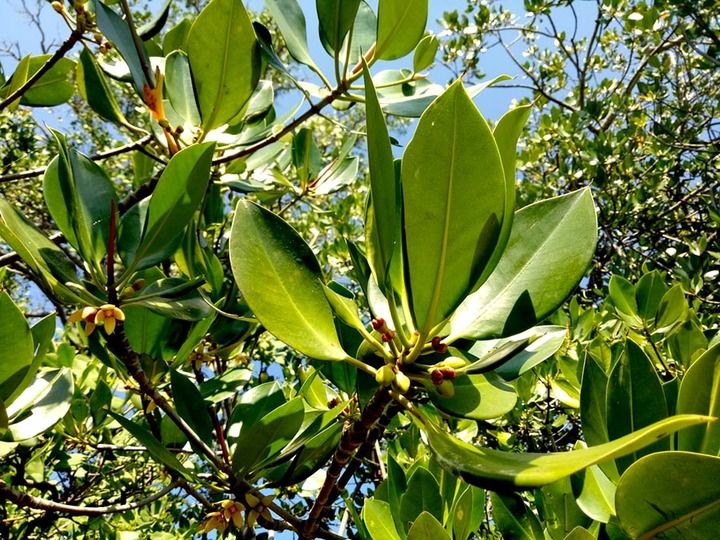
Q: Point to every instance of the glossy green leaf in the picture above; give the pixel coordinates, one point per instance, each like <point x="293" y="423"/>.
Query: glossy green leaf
<point x="190" y="308"/>
<point x="401" y="24"/>
<point x="514" y="519"/>
<point x="79" y="196"/>
<point x="558" y="509"/>
<point x="153" y="27"/>
<point x="154" y="447"/>
<point x="225" y="60"/>
<point x="549" y="249"/>
<point x="345" y="308"/>
<point x="16" y="346"/>
<point x="179" y="87"/>
<point x="19" y="77"/>
<point x="377" y="516"/>
<point x="314" y="454"/>
<point x="670" y="495"/>
<point x="290" y="20"/>
<point x="427" y="527"/>
<point x="281" y="281"/>
<point x="177" y="196"/>
<point x="55" y="87"/>
<point x="649" y="292"/>
<point x="47" y="261"/>
<point x="117" y="31"/>
<point x="700" y="394"/>
<point x="41" y="405"/>
<point x="191" y="406"/>
<point x="597" y="497"/>
<point x="267" y="436"/>
<point x="592" y="404"/>
<point x="147" y="332"/>
<point x="425" y="53"/>
<point x="421" y="496"/>
<point x="622" y="295"/>
<point x="176" y="38"/>
<point x="635" y="399"/>
<point x="673" y="308"/>
<point x="579" y="533"/>
<point x="253" y="405"/>
<point x="336" y="18"/>
<point x="363" y="34"/>
<point x="94" y="88"/>
<point x="384" y="187"/>
<point x="453" y="205"/>
<point x="480" y="397"/>
<point x="494" y="469"/>
<point x="468" y="512"/>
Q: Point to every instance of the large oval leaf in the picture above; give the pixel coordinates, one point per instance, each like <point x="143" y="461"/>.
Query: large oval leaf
<point x="225" y="61"/>
<point x="282" y="282"/>
<point x="497" y="470"/>
<point x="670" y="495"/>
<point x="480" y="397"/>
<point x="550" y="247"/>
<point x="454" y="201"/>
<point x="94" y="87"/>
<point x="700" y="394"/>
<point x="16" y="346"/>
<point x="336" y="18"/>
<point x="290" y="20"/>
<point x="401" y="24"/>
<point x="55" y="87"/>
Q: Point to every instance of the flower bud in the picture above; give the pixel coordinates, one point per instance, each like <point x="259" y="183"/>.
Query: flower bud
<point x="58" y="6"/>
<point x="378" y="323"/>
<point x="454" y="362"/>
<point x="385" y="375"/>
<point x="446" y="389"/>
<point x="448" y="374"/>
<point x="436" y="376"/>
<point x="438" y="346"/>
<point x="402" y="382"/>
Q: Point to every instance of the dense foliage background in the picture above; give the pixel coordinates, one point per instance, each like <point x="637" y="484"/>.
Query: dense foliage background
<point x="624" y="102"/>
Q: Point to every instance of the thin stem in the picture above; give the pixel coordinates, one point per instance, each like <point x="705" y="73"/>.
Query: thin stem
<point x="68" y="44"/>
<point x="360" y="365"/>
<point x="147" y="70"/>
<point x="39" y="503"/>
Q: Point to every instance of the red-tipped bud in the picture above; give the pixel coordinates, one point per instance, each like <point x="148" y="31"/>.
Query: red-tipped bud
<point x="388" y="336"/>
<point x="448" y="374"/>
<point x="436" y="376"/>
<point x="378" y="324"/>
<point x="438" y="346"/>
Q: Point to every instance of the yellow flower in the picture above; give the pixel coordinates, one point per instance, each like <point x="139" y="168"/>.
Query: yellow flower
<point x="108" y="315"/>
<point x="215" y="521"/>
<point x="86" y="314"/>
<point x="232" y="511"/>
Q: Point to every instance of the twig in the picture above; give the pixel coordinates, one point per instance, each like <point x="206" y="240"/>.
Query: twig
<point x="68" y="44"/>
<point x="39" y="503"/>
<point x="147" y="70"/>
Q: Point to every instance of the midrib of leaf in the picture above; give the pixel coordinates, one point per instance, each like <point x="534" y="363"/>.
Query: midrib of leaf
<point x="223" y="73"/>
<point x="442" y="262"/>
<point x="395" y="27"/>
<point x="678" y="520"/>
<point x="285" y="290"/>
<point x="525" y="266"/>
<point x="714" y="405"/>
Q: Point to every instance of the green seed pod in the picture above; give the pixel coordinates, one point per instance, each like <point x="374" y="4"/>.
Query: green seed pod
<point x="402" y="382"/>
<point x="454" y="362"/>
<point x="446" y="389"/>
<point x="385" y="375"/>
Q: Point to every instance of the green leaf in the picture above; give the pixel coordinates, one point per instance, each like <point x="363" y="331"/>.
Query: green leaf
<point x="549" y="249"/>
<point x="635" y="399"/>
<point x="673" y="309"/>
<point x="16" y="346"/>
<point x="426" y="527"/>
<point x="378" y="519"/>
<point x="94" y="88"/>
<point x="48" y="262"/>
<point x="254" y="404"/>
<point x="384" y="187"/>
<point x="290" y="20"/>
<point x="480" y="397"/>
<point x="514" y="519"/>
<point x="425" y="53"/>
<point x="453" y="205"/>
<point x="154" y="447"/>
<point x="55" y="87"/>
<point x="79" y="196"/>
<point x="176" y="197"/>
<point x="117" y="31"/>
<point x="313" y="455"/>
<point x="225" y="61"/>
<point x="597" y="498"/>
<point x="592" y="404"/>
<point x="649" y="292"/>
<point x="558" y="509"/>
<point x="468" y="512"/>
<point x="176" y="38"/>
<point x="670" y="495"/>
<point x="152" y="28"/>
<point x="41" y="405"/>
<point x="281" y="281"/>
<point x="494" y="469"/>
<point x="268" y="436"/>
<point x="19" y="77"/>
<point x="421" y="496"/>
<point x="345" y="308"/>
<point x="191" y="406"/>
<point x="401" y="24"/>
<point x="336" y="18"/>
<point x="579" y="533"/>
<point x="622" y="295"/>
<point x="362" y="36"/>
<point x="179" y="87"/>
<point x="700" y="394"/>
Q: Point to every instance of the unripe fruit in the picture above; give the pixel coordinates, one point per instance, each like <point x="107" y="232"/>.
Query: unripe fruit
<point x="385" y="375"/>
<point x="446" y="389"/>
<point x="402" y="382"/>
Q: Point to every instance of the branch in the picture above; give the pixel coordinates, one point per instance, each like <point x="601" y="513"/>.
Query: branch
<point x="39" y="503"/>
<point x="68" y="44"/>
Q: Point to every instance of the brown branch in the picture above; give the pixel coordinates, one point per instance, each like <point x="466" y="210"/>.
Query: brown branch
<point x="129" y="147"/>
<point x="68" y="44"/>
<point x="30" y="501"/>
<point x="351" y="439"/>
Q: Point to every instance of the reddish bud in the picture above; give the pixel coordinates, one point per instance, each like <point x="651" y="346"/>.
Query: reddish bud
<point x="377" y="324"/>
<point x="438" y="346"/>
<point x="448" y="373"/>
<point x="436" y="376"/>
<point x="388" y="336"/>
